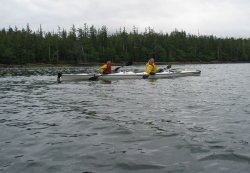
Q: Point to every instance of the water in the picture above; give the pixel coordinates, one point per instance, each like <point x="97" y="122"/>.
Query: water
<point x="189" y="124"/>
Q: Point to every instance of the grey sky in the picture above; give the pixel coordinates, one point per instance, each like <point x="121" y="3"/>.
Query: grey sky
<point x="223" y="18"/>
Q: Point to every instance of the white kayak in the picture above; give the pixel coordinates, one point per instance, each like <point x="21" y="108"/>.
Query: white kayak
<point x="128" y="75"/>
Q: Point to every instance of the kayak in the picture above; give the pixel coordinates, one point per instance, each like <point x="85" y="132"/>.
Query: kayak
<point x="128" y="75"/>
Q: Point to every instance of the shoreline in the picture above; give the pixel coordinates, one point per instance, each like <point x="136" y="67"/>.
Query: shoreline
<point x="31" y="65"/>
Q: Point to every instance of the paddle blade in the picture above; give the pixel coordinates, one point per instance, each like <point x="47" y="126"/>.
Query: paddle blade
<point x="129" y="63"/>
<point x="94" y="78"/>
<point x="168" y="66"/>
<point x="59" y="75"/>
<point x="117" y="68"/>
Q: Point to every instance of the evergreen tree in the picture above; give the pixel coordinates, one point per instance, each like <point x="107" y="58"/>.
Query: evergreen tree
<point x="88" y="44"/>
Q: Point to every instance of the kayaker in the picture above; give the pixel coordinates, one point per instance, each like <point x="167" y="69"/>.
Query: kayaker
<point x="106" y="68"/>
<point x="151" y="67"/>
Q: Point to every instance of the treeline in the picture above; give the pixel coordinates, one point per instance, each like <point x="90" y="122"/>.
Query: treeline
<point x="89" y="44"/>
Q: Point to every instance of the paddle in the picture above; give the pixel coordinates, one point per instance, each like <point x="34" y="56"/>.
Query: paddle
<point x="127" y="64"/>
<point x="95" y="77"/>
<point x="59" y="75"/>
<point x="168" y="66"/>
<point x="147" y="75"/>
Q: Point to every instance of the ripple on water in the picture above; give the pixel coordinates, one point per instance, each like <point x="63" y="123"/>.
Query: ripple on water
<point x="194" y="148"/>
<point x="227" y="156"/>
<point x="3" y="120"/>
<point x="166" y="134"/>
<point x="247" y="109"/>
<point x="131" y="166"/>
<point x="197" y="129"/>
<point x="120" y="131"/>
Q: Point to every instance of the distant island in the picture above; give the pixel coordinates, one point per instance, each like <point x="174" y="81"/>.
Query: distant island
<point x="90" y="45"/>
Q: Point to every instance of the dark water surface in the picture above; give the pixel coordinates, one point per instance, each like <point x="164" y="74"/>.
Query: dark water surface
<point x="189" y="124"/>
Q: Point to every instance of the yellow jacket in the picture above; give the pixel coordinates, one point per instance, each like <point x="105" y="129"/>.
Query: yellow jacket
<point x="151" y="68"/>
<point x="103" y="68"/>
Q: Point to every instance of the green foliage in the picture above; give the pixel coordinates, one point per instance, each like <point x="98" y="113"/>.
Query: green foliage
<point x="88" y="44"/>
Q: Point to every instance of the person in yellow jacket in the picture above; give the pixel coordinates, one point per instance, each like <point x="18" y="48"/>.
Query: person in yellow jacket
<point x="105" y="68"/>
<point x="151" y="67"/>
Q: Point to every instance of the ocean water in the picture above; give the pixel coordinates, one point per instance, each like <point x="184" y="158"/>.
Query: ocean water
<point x="195" y="124"/>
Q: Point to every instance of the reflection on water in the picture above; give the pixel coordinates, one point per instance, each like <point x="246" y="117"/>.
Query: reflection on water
<point x="105" y="81"/>
<point x="189" y="124"/>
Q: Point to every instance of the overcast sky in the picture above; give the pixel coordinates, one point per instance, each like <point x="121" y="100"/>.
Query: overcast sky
<point x="222" y="18"/>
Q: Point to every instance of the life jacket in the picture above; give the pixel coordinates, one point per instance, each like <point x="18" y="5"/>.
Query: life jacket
<point x="105" y="68"/>
<point x="151" y="68"/>
<point x="108" y="69"/>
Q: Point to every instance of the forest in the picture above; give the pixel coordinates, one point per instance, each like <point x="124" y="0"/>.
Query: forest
<point x="89" y="44"/>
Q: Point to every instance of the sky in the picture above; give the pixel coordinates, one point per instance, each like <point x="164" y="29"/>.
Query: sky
<point x="221" y="18"/>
